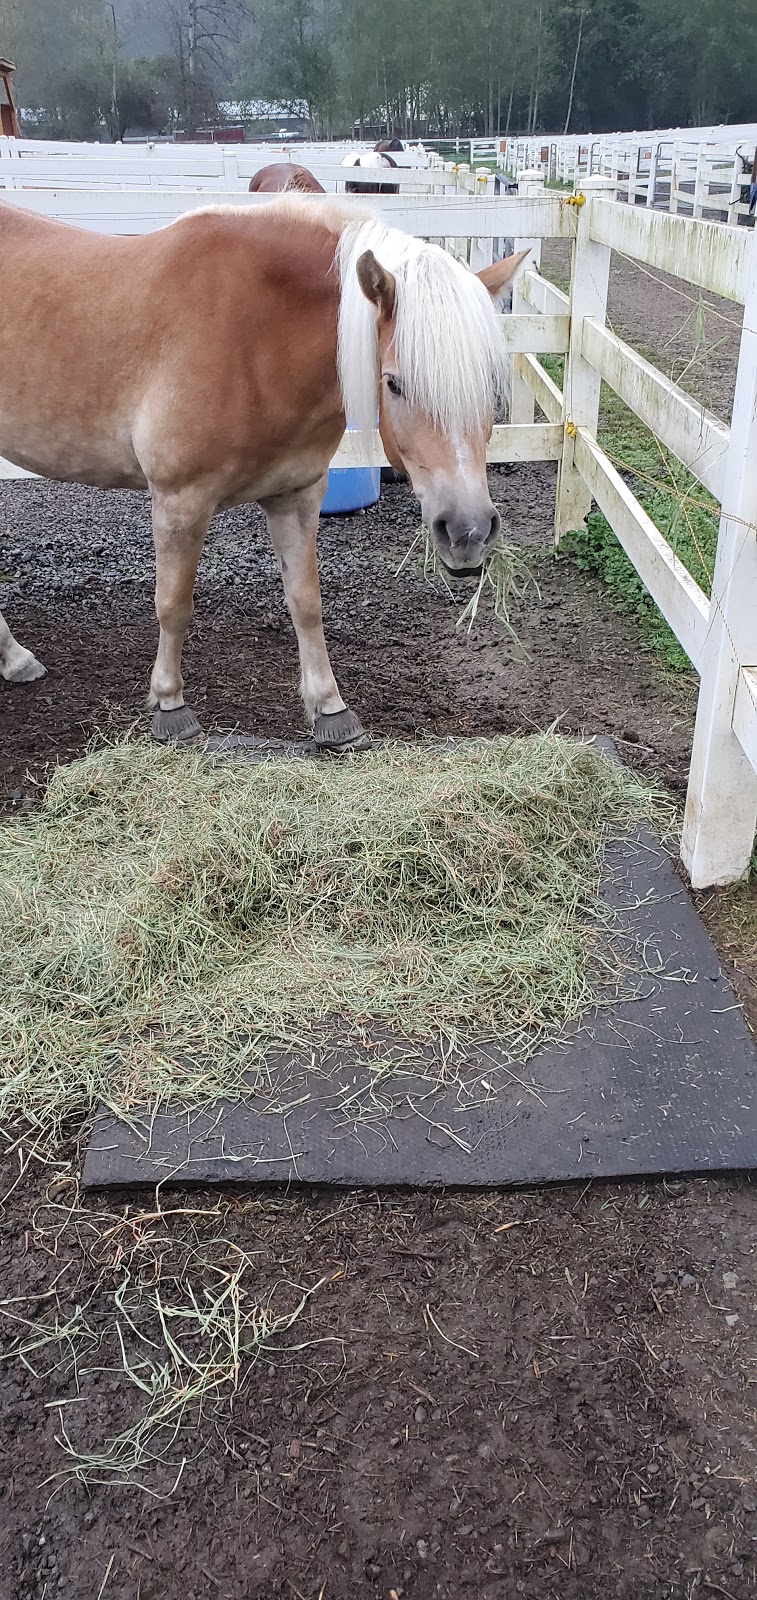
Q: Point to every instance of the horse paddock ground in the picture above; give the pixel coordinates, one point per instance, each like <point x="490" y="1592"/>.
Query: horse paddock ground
<point x="558" y="1410"/>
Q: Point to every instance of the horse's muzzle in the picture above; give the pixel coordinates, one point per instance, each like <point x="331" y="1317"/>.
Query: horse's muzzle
<point x="463" y="541"/>
<point x="462" y="572"/>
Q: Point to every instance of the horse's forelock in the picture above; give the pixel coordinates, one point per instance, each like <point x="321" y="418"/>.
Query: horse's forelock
<point x="450" y="351"/>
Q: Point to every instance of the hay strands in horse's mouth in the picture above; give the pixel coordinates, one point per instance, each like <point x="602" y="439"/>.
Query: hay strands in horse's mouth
<point x="504" y="574"/>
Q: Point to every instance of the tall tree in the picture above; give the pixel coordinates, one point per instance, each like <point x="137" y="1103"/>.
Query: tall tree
<point x="292" y="60"/>
<point x="203" y="37"/>
<point x="437" y="66"/>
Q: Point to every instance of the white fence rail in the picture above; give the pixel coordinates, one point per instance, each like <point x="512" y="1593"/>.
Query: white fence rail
<point x="719" y="634"/>
<point x="208" y="158"/>
<point x="33" y="164"/>
<point x="701" y="173"/>
<point x="454" y="216"/>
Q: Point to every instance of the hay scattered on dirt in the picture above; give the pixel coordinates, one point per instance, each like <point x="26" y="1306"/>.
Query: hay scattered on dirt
<point x="177" y="1316"/>
<point x="167" y="921"/>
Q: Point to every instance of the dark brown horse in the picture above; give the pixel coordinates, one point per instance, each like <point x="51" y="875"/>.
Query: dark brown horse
<point x="385" y="145"/>
<point x="282" y="175"/>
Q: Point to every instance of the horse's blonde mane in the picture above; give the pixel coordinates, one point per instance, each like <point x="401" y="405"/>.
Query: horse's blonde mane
<point x="450" y="352"/>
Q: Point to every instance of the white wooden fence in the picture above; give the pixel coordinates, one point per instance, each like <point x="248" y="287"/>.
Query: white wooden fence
<point x="95" y="169"/>
<point x="700" y="172"/>
<point x="718" y="633"/>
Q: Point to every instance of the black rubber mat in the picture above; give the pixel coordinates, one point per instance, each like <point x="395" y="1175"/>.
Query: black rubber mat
<point x="664" y="1082"/>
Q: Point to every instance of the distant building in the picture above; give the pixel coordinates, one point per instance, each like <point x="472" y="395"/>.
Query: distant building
<point x="8" y="117"/>
<point x="269" y="118"/>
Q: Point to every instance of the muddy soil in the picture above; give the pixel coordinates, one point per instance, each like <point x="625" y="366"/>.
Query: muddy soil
<point x="559" y="1410"/>
<point x="81" y="598"/>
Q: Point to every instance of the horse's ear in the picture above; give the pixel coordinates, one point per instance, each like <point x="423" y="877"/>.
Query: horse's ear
<point x="377" y="284"/>
<point x="500" y="274"/>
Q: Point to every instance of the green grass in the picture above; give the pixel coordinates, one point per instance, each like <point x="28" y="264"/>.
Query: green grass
<point x="167" y="922"/>
<point x="560" y="281"/>
<point x="685" y="514"/>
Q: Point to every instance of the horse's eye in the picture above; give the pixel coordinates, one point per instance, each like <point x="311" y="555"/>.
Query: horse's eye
<point x="393" y="385"/>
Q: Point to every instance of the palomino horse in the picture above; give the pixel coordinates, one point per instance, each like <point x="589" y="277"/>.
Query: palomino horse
<point x="225" y="351"/>
<point x="283" y="176"/>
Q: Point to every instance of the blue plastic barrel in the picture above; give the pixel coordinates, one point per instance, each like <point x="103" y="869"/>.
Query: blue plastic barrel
<point x="351" y="488"/>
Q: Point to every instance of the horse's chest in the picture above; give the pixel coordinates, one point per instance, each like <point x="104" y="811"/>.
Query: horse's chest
<point x="283" y="476"/>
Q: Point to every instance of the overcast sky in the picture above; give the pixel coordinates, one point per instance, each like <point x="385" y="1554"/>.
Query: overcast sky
<point x="142" y="32"/>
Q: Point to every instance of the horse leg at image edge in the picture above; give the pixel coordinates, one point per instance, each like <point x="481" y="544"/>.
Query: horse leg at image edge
<point x="17" y="665"/>
<point x="179" y="524"/>
<point x="293" y="529"/>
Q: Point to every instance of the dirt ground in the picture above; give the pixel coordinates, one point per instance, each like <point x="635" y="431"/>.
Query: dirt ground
<point x="691" y="334"/>
<point x="561" y="1410"/>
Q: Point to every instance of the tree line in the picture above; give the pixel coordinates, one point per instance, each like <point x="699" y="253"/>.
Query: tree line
<point x="436" y="68"/>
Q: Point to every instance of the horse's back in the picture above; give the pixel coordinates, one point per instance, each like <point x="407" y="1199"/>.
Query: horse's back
<point x="122" y="359"/>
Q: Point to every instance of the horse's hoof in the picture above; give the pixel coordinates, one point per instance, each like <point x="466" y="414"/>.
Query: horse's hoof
<point x="26" y="668"/>
<point x="338" y="731"/>
<point x="176" y="727"/>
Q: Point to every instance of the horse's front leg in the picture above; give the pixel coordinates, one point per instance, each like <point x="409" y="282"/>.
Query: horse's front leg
<point x="17" y="664"/>
<point x="179" y="525"/>
<point x="293" y="527"/>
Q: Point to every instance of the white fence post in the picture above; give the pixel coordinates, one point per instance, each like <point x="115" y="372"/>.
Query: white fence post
<point x="701" y="181"/>
<point x="481" y="250"/>
<point x="721" y="804"/>
<point x="588" y="298"/>
<point x="735" y="197"/>
<point x="674" y="178"/>
<point x="230" y="169"/>
<point x="521" y="393"/>
<point x="652" y="179"/>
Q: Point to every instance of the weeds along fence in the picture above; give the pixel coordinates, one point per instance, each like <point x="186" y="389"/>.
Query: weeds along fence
<point x="703" y="174"/>
<point x="718" y="632"/>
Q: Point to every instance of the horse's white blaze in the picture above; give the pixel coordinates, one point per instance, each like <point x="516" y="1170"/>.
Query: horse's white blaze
<point x="451" y="356"/>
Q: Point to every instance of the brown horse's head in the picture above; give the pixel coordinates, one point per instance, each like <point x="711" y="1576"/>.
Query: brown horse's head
<point x="283" y="176"/>
<point x="439" y="358"/>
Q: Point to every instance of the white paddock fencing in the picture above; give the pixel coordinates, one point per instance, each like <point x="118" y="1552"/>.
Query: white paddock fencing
<point x="718" y="633"/>
<point x="239" y="160"/>
<point x="704" y="173"/>
<point x="696" y="172"/>
<point x="99" y="169"/>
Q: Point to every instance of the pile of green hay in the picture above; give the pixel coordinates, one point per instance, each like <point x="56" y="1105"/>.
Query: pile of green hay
<point x="167" y="921"/>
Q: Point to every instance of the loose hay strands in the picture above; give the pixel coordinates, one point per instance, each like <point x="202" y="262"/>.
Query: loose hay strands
<point x="504" y="576"/>
<point x="167" y="922"/>
<point x="206" y="1342"/>
<point x="176" y="1318"/>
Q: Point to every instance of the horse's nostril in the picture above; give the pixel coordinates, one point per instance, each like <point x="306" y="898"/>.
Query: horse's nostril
<point x="496" y="526"/>
<point x="440" y="530"/>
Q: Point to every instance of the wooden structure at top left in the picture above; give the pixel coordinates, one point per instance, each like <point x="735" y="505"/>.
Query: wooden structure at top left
<point x="8" y="115"/>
